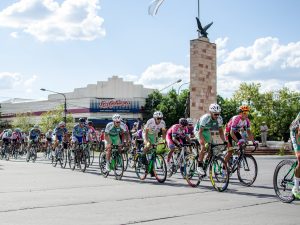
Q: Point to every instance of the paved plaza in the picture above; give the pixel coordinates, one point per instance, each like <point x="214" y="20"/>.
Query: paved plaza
<point x="37" y="193"/>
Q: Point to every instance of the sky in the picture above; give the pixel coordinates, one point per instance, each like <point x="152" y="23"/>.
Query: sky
<point x="65" y="44"/>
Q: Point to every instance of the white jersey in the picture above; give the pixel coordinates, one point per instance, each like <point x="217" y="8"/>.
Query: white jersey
<point x="154" y="128"/>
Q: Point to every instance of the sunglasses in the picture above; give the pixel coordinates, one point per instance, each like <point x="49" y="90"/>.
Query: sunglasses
<point x="117" y="122"/>
<point x="216" y="114"/>
<point x="159" y="118"/>
<point x="245" y="113"/>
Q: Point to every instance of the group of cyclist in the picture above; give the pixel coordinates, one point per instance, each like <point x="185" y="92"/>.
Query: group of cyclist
<point x="117" y="133"/>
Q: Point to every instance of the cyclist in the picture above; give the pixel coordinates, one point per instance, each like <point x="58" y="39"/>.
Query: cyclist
<point x="6" y="136"/>
<point x="49" y="136"/>
<point x="16" y="135"/>
<point x="115" y="133"/>
<point x="59" y="132"/>
<point x="233" y="128"/>
<point x="91" y="134"/>
<point x="177" y="135"/>
<point x="206" y="123"/>
<point x="79" y="131"/>
<point x="295" y="138"/>
<point x="34" y="135"/>
<point x="152" y="128"/>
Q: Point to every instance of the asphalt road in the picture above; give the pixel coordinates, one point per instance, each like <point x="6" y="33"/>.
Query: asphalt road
<point x="37" y="193"/>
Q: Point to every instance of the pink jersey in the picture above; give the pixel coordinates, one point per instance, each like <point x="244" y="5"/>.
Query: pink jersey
<point x="236" y="123"/>
<point x="177" y="131"/>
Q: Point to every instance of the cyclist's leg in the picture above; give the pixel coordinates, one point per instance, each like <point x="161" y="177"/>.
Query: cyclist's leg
<point x="296" y="148"/>
<point x="202" y="150"/>
<point x="230" y="148"/>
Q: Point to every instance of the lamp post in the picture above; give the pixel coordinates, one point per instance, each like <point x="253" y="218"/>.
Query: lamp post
<point x="177" y="81"/>
<point x="65" y="105"/>
<point x="178" y="92"/>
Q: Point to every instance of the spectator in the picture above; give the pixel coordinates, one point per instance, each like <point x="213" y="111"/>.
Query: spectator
<point x="264" y="133"/>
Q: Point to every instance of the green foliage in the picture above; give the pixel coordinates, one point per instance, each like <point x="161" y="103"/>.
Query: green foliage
<point x="277" y="109"/>
<point x="171" y="105"/>
<point x="50" y="119"/>
<point x="23" y="121"/>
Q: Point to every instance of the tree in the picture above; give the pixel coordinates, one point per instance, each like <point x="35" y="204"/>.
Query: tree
<point x="50" y="119"/>
<point x="23" y="121"/>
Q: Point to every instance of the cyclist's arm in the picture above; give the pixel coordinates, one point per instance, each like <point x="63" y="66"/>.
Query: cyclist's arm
<point x="232" y="134"/>
<point x="146" y="135"/>
<point x="221" y="132"/>
<point x="164" y="133"/>
<point x="201" y="137"/>
<point x="107" y="138"/>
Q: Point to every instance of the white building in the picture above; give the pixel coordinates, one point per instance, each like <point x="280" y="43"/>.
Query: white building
<point x="97" y="102"/>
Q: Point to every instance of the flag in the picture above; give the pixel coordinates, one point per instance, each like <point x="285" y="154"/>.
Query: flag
<point x="154" y="6"/>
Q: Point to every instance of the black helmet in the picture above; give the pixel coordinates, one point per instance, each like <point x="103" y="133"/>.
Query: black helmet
<point x="183" y="122"/>
<point x="81" y="120"/>
<point x="90" y="123"/>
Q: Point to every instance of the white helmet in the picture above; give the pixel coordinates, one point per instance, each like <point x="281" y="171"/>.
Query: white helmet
<point x="116" y="118"/>
<point x="214" y="108"/>
<point x="190" y="120"/>
<point x="158" y="114"/>
<point x="62" y="123"/>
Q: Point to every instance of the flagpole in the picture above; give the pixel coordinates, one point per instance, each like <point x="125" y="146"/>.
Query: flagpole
<point x="199" y="9"/>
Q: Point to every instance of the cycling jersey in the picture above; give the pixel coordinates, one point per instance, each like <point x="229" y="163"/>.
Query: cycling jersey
<point x="207" y="123"/>
<point x="79" y="131"/>
<point x="294" y="129"/>
<point x="236" y="123"/>
<point x="34" y="133"/>
<point x="6" y="135"/>
<point x="49" y="135"/>
<point x="177" y="132"/>
<point x="153" y="129"/>
<point x="60" y="131"/>
<point x="115" y="133"/>
<point x="91" y="134"/>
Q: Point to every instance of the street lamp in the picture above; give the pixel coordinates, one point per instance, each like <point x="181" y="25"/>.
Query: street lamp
<point x="178" y="92"/>
<point x="178" y="81"/>
<point x="65" y="105"/>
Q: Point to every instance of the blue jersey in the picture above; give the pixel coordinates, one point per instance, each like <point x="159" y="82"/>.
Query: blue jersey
<point x="58" y="131"/>
<point x="79" y="131"/>
<point x="33" y="133"/>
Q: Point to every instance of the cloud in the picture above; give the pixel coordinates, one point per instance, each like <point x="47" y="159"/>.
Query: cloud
<point x="163" y="74"/>
<point x="11" y="83"/>
<point x="47" y="20"/>
<point x="266" y="61"/>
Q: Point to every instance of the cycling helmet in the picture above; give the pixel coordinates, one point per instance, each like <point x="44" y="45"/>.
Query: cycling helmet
<point x="183" y="121"/>
<point x="9" y="132"/>
<point x="116" y="118"/>
<point x="190" y="121"/>
<point x="36" y="126"/>
<point x="18" y="130"/>
<point x="90" y="123"/>
<point x="81" y="120"/>
<point x="214" y="108"/>
<point x="243" y="108"/>
<point x="62" y="124"/>
<point x="158" y="114"/>
<point x="50" y="131"/>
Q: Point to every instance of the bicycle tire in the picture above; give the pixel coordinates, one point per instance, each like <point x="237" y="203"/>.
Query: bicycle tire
<point x="247" y="164"/>
<point x="192" y="177"/>
<point x="82" y="161"/>
<point x="119" y="166"/>
<point x="102" y="164"/>
<point x="283" y="186"/>
<point x="92" y="154"/>
<point x="219" y="174"/>
<point x="160" y="169"/>
<point x="125" y="160"/>
<point x="140" y="167"/>
<point x="72" y="160"/>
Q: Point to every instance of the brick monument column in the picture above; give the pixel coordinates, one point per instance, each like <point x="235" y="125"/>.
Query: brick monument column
<point x="203" y="76"/>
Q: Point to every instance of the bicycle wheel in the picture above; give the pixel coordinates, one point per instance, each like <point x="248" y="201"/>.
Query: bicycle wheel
<point x="72" y="161"/>
<point x="102" y="163"/>
<point x="61" y="158"/>
<point x="192" y="177"/>
<point x="119" y="166"/>
<point x="82" y="161"/>
<point x="92" y="153"/>
<point x="125" y="160"/>
<point x="218" y="174"/>
<point x="283" y="181"/>
<point x="65" y="158"/>
<point x="54" y="158"/>
<point x="172" y="168"/>
<point x="160" y="168"/>
<point x="141" y="166"/>
<point x="130" y="156"/>
<point x="247" y="170"/>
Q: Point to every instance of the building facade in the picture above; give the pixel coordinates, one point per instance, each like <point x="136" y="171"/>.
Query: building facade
<point x="96" y="102"/>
